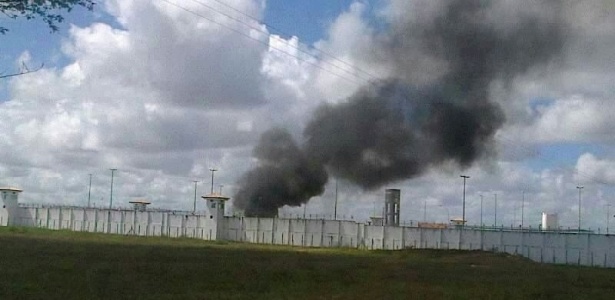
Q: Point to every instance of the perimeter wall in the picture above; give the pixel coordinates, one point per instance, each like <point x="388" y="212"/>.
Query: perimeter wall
<point x="548" y="247"/>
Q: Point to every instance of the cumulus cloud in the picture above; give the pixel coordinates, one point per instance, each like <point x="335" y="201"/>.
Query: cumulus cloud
<point x="163" y="95"/>
<point x="591" y="169"/>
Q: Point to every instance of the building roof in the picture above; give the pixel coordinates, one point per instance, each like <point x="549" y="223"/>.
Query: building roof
<point x="143" y="201"/>
<point x="12" y="189"/>
<point x="215" y="196"/>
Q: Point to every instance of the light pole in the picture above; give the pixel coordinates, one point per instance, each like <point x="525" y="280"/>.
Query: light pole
<point x="90" y="190"/>
<point x="425" y="210"/>
<point x="608" y="215"/>
<point x="110" y="202"/>
<point x="522" y="205"/>
<point x="579" y="188"/>
<point x="212" y="179"/>
<point x="481" y="210"/>
<point x="111" y="194"/>
<point x="335" y="206"/>
<point x="194" y="205"/>
<point x="448" y="215"/>
<point x="495" y="215"/>
<point x="463" y="217"/>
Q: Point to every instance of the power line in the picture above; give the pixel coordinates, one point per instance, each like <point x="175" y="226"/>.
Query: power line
<point x="275" y="29"/>
<point x="268" y="44"/>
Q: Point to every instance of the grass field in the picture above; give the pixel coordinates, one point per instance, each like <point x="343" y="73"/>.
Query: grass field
<point x="42" y="264"/>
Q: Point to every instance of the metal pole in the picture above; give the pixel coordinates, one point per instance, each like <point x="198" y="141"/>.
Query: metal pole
<point x="194" y="205"/>
<point x="304" y="209"/>
<point x="579" y="188"/>
<point x="425" y="211"/>
<point x="448" y="215"/>
<point x="522" y="205"/>
<point x="90" y="191"/>
<point x="463" y="217"/>
<point x="335" y="207"/>
<point x="212" y="179"/>
<point x="110" y="202"/>
<point x="221" y="186"/>
<point x="481" y="210"/>
<point x="495" y="218"/>
<point x="111" y="194"/>
<point x="608" y="214"/>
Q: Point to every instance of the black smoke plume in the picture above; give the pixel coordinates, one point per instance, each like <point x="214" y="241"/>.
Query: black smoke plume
<point x="285" y="176"/>
<point x="424" y="115"/>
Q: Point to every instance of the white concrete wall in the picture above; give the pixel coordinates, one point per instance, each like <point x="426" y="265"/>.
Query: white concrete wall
<point x="548" y="247"/>
<point x="127" y="222"/>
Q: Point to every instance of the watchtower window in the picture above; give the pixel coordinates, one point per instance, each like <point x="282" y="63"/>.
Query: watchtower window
<point x="213" y="205"/>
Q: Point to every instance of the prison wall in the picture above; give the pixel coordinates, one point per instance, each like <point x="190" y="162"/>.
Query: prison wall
<point x="586" y="249"/>
<point x="117" y="221"/>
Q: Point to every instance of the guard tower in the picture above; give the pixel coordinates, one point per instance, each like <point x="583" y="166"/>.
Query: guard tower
<point x="140" y="205"/>
<point x="392" y="199"/>
<point x="9" y="208"/>
<point x="215" y="214"/>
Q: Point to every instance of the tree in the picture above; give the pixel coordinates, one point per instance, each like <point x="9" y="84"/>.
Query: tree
<point x="48" y="10"/>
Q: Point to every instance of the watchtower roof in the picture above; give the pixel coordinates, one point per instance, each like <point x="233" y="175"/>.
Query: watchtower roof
<point x="215" y="196"/>
<point x="142" y="201"/>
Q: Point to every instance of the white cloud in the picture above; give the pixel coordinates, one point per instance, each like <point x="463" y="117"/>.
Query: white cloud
<point x="592" y="170"/>
<point x="170" y="94"/>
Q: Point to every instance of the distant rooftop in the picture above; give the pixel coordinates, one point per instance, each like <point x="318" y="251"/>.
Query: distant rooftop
<point x="141" y="201"/>
<point x="217" y="196"/>
<point x="12" y="189"/>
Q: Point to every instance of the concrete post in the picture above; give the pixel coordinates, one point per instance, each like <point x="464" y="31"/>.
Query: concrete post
<point x="290" y="224"/>
<point x="339" y="233"/>
<point x="384" y="237"/>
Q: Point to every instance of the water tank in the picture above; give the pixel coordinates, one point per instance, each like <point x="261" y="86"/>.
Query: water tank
<point x="392" y="199"/>
<point x="549" y="221"/>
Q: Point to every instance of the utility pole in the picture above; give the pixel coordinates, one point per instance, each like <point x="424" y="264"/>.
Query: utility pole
<point x="608" y="215"/>
<point x="110" y="202"/>
<point x="463" y="217"/>
<point x="194" y="205"/>
<point x="212" y="179"/>
<point x="495" y="218"/>
<point x="481" y="210"/>
<point x="448" y="215"/>
<point x="111" y="194"/>
<point x="335" y="206"/>
<point x="90" y="190"/>
<point x="522" y="205"/>
<point x="579" y="188"/>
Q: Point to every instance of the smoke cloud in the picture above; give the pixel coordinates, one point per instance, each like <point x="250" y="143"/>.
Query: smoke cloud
<point x="424" y="115"/>
<point x="285" y="176"/>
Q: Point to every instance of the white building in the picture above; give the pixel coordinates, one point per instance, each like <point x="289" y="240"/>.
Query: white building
<point x="549" y="221"/>
<point x="9" y="205"/>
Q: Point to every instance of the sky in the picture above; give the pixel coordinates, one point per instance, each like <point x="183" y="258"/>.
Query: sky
<point x="164" y="90"/>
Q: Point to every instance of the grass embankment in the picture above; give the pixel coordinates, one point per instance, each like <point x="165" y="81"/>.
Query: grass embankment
<point x="42" y="264"/>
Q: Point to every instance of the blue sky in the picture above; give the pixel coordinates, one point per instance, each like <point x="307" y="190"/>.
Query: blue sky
<point x="306" y="19"/>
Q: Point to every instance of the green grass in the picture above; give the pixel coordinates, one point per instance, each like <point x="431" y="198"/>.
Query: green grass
<point x="42" y="264"/>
